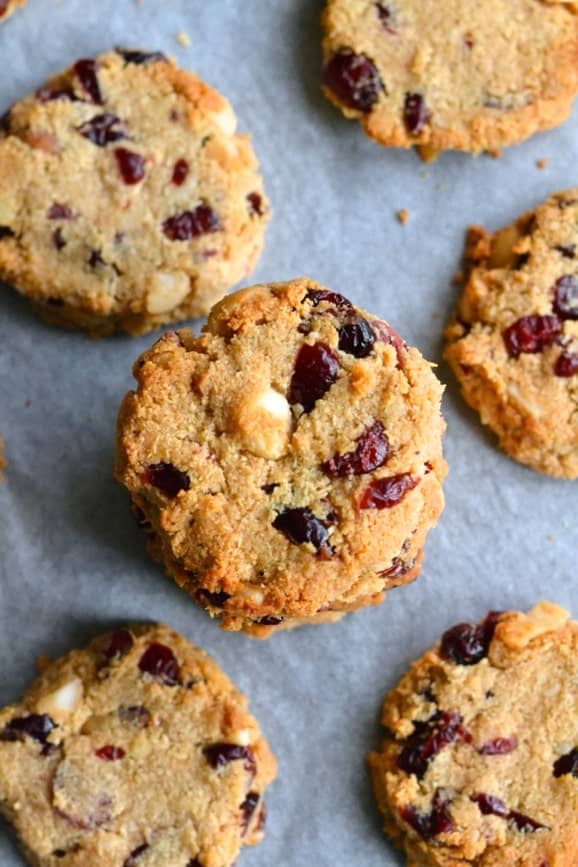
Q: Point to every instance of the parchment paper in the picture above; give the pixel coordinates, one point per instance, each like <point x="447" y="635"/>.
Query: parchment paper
<point x="72" y="561"/>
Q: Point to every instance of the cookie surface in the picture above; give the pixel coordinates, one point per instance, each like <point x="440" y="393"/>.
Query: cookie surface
<point x="513" y="344"/>
<point x="134" y="752"/>
<point x="287" y="464"/>
<point x="7" y="7"/>
<point x="127" y="200"/>
<point x="481" y="759"/>
<point x="453" y="75"/>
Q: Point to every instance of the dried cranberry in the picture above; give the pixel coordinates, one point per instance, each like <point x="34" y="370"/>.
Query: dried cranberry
<point x="385" y="16"/>
<point x="428" y="739"/>
<point x="499" y="746"/>
<point x="135" y="854"/>
<point x="524" y="823"/>
<point x="160" y="662"/>
<point x="110" y="753"/>
<point x="468" y="643"/>
<point x="141" y="58"/>
<point x="388" y="492"/>
<point x="217" y="599"/>
<point x="356" y="338"/>
<point x="51" y="94"/>
<point x="387" y="334"/>
<point x="531" y="334"/>
<point x="353" y="79"/>
<point x="95" y="259"/>
<point x="568" y="251"/>
<point x="135" y="714"/>
<point x="191" y="224"/>
<point x="415" y="113"/>
<point x="58" y="239"/>
<point x="130" y="165"/>
<point x="103" y="129"/>
<point x="566" y="364"/>
<point x="489" y="805"/>
<point x="248" y="807"/>
<point x="60" y="212"/>
<point x="270" y="620"/>
<point x="429" y="825"/>
<point x="398" y="568"/>
<point x="566" y="297"/>
<point x="255" y="204"/>
<point x="316" y="369"/>
<point x="167" y="478"/>
<point x="180" y="172"/>
<point x="220" y="755"/>
<point x="371" y="451"/>
<point x="194" y="862"/>
<point x="35" y="726"/>
<point x="117" y="644"/>
<point x="6" y="232"/>
<point x="301" y="526"/>
<point x="567" y="764"/>
<point x="85" y="71"/>
<point x="340" y="302"/>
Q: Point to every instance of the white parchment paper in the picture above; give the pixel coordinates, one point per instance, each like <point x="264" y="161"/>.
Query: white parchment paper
<point x="72" y="561"/>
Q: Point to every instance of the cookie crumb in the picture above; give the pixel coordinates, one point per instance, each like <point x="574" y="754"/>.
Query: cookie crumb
<point x="551" y="537"/>
<point x="459" y="278"/>
<point x="403" y="216"/>
<point x="494" y="153"/>
<point x="183" y="39"/>
<point x="541" y="164"/>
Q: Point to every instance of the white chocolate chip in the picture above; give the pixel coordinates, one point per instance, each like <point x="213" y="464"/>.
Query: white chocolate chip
<point x="62" y="701"/>
<point x="225" y="118"/>
<point x="242" y="737"/>
<point x="166" y="291"/>
<point x="264" y="423"/>
<point x="255" y="596"/>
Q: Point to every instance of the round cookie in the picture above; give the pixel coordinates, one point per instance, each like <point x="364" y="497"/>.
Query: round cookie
<point x="7" y="7"/>
<point x="286" y="464"/>
<point x="454" y="75"/>
<point x="513" y="344"/>
<point x="480" y="763"/>
<point x="127" y="200"/>
<point x="134" y="752"/>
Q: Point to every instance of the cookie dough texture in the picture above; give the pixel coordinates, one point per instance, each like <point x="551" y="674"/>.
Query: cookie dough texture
<point x="7" y="7"/>
<point x="135" y="752"/>
<point x="287" y="464"/>
<point x="513" y="343"/>
<point x="454" y="75"/>
<point x="497" y="786"/>
<point x="127" y="199"/>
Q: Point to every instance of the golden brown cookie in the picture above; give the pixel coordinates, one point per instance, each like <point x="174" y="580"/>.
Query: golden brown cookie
<point x="287" y="464"/>
<point x="127" y="199"/>
<point x="480" y="763"/>
<point x="513" y="344"/>
<point x="459" y="74"/>
<point x="7" y="7"/>
<point x="135" y="752"/>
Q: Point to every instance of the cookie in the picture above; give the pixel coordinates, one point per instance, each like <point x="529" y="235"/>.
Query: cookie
<point x="134" y="752"/>
<point x="287" y="464"/>
<point x="454" y="75"/>
<point x="513" y="344"/>
<point x="7" y="7"/>
<point x="480" y="764"/>
<point x="127" y="200"/>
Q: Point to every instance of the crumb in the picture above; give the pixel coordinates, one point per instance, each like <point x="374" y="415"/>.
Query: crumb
<point x="459" y="278"/>
<point x="541" y="164"/>
<point x="403" y="216"/>
<point x="494" y="154"/>
<point x="183" y="39"/>
<point x="551" y="537"/>
<point x="42" y="663"/>
<point x="564" y="524"/>
<point x="424" y="174"/>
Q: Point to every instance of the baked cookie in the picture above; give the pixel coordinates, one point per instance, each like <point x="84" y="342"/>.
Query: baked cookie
<point x="135" y="752"/>
<point x="481" y="758"/>
<point x="513" y="344"/>
<point x="453" y="75"/>
<point x="287" y="464"/>
<point x="127" y="200"/>
<point x="7" y="7"/>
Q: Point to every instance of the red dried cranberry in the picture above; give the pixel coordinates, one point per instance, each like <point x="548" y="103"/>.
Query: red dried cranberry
<point x="255" y="204"/>
<point x="191" y="224"/>
<point x="340" y="302"/>
<point x="567" y="764"/>
<point x="398" y="568"/>
<point x="353" y="79"/>
<point x="270" y="620"/>
<point x="167" y="478"/>
<point x="135" y="714"/>
<point x="117" y="644"/>
<point x="429" y="825"/>
<point x="130" y="165"/>
<point x="468" y="643"/>
<point x="85" y="71"/>
<point x="50" y="94"/>
<point x="135" y="854"/>
<point x="217" y="599"/>
<point x="316" y="369"/>
<point x="415" y="113"/>
<point x="141" y="58"/>
<point x="248" y="807"/>
<point x="220" y="755"/>
<point x="524" y="823"/>
<point x="356" y="338"/>
<point x="300" y="526"/>
<point x="531" y="334"/>
<point x="160" y="662"/>
<point x="387" y="334"/>
<point x="489" y="805"/>
<point x="58" y="239"/>
<point x="95" y="259"/>
<point x="568" y="251"/>
<point x="103" y="129"/>
<point x="499" y="746"/>
<point x="35" y="726"/>
<point x="194" y="862"/>
<point x="385" y="16"/>
<point x="371" y="451"/>
<point x="388" y="492"/>
<point x="428" y="739"/>
<point x="60" y="212"/>
<point x="110" y="753"/>
<point x="180" y="172"/>
<point x="6" y="232"/>
<point x="566" y="297"/>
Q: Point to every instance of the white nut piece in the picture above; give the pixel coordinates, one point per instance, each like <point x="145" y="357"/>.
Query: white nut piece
<point x="225" y="118"/>
<point x="63" y="701"/>
<point x="166" y="291"/>
<point x="263" y="421"/>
